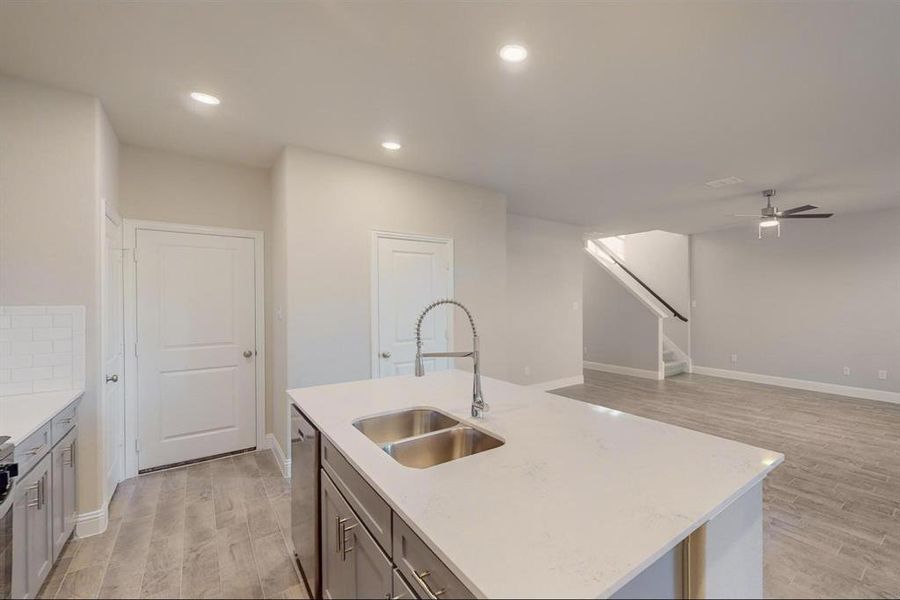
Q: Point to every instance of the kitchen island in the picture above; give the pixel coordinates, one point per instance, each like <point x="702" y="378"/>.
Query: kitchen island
<point x="578" y="501"/>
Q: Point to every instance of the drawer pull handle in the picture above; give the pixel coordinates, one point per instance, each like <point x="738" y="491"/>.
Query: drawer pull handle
<point x="421" y="579"/>
<point x="66" y="421"/>
<point x="34" y="450"/>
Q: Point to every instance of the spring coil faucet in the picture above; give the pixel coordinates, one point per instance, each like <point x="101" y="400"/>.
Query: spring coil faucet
<point x="479" y="406"/>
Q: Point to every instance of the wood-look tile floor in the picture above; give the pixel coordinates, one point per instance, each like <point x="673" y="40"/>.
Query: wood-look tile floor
<point x="832" y="509"/>
<point x="219" y="529"/>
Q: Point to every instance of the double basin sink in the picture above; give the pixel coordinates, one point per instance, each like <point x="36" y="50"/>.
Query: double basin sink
<point x="422" y="437"/>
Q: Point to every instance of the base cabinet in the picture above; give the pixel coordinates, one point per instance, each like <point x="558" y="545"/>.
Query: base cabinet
<point x="44" y="508"/>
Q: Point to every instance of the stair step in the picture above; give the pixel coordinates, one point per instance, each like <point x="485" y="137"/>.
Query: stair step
<point x="674" y="367"/>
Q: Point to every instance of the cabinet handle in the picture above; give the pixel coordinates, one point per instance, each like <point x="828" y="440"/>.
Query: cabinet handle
<point x="34" y="450"/>
<point x="339" y="533"/>
<point x="69" y="456"/>
<point x="420" y="577"/>
<point x="66" y="421"/>
<point x="344" y="549"/>
<point x="34" y="487"/>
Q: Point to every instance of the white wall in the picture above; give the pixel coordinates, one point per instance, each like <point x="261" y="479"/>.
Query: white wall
<point x="618" y="328"/>
<point x="165" y="186"/>
<point x="333" y="205"/>
<point x="57" y="157"/>
<point x="823" y="296"/>
<point x="544" y="285"/>
<point x="277" y="414"/>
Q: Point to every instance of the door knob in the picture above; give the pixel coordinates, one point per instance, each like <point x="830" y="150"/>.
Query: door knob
<point x="248" y="353"/>
<point x="113" y="378"/>
<point x="385" y="354"/>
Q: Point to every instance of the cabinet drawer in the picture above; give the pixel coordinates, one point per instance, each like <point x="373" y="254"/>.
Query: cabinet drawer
<point x="427" y="575"/>
<point x="63" y="423"/>
<point x="365" y="501"/>
<point x="33" y="449"/>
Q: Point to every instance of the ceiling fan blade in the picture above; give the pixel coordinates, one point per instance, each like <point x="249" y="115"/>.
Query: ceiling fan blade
<point x="813" y="216"/>
<point x="754" y="216"/>
<point x="797" y="209"/>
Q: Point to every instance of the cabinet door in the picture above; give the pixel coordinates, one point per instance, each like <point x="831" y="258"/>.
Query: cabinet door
<point x="353" y="565"/>
<point x="70" y="486"/>
<point x="40" y="548"/>
<point x="336" y="581"/>
<point x="63" y="491"/>
<point x="32" y="547"/>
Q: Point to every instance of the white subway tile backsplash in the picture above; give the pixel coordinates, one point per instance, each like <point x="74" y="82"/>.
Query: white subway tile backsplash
<point x="20" y="387"/>
<point x="31" y="321"/>
<point x="24" y="310"/>
<point x="41" y="348"/>
<point x="52" y="360"/>
<point x="51" y="333"/>
<point x="16" y="335"/>
<point x="30" y="374"/>
<point x="31" y="347"/>
<point x="16" y="361"/>
<point x="52" y="385"/>
<point x="61" y="321"/>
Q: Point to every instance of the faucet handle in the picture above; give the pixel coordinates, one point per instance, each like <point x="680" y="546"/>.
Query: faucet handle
<point x="479" y="407"/>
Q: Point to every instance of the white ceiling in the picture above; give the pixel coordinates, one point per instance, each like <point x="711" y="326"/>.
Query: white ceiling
<point x="616" y="120"/>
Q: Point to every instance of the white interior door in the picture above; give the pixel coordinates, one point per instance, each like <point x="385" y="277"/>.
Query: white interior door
<point x="196" y="345"/>
<point x="409" y="275"/>
<point x="113" y="328"/>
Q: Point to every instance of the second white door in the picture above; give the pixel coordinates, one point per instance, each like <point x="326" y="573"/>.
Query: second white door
<point x="196" y="345"/>
<point x="409" y="275"/>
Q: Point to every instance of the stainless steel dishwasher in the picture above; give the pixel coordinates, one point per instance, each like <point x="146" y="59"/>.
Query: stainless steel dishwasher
<point x="305" y="508"/>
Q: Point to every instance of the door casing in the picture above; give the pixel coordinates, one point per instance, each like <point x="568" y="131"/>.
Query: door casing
<point x="375" y="337"/>
<point x="130" y="229"/>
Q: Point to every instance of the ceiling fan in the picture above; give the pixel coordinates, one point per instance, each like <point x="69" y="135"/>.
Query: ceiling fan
<point x="770" y="216"/>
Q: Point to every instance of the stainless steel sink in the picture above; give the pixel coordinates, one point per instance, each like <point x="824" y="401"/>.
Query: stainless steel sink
<point x="405" y="424"/>
<point x="437" y="448"/>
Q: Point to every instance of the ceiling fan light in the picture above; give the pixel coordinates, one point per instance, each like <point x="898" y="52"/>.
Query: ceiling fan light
<point x="769" y="223"/>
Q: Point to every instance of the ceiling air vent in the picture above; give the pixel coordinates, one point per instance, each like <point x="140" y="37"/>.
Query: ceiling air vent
<point x="723" y="182"/>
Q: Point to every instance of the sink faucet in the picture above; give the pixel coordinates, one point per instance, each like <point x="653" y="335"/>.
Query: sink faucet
<point x="479" y="406"/>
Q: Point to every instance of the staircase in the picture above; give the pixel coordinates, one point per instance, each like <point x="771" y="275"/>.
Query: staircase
<point x="672" y="360"/>
<point x="673" y="364"/>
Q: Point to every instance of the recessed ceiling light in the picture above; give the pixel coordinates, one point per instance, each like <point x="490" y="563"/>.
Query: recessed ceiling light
<point x="391" y="145"/>
<point x="513" y="53"/>
<point x="205" y="98"/>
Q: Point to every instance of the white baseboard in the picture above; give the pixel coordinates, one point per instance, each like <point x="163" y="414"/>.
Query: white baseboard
<point x="284" y="461"/>
<point x="619" y="370"/>
<point x="802" y="384"/>
<point x="558" y="383"/>
<point x="92" y="523"/>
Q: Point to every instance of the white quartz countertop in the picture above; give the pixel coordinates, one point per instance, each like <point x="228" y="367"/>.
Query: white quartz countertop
<point x="23" y="414"/>
<point x="578" y="501"/>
